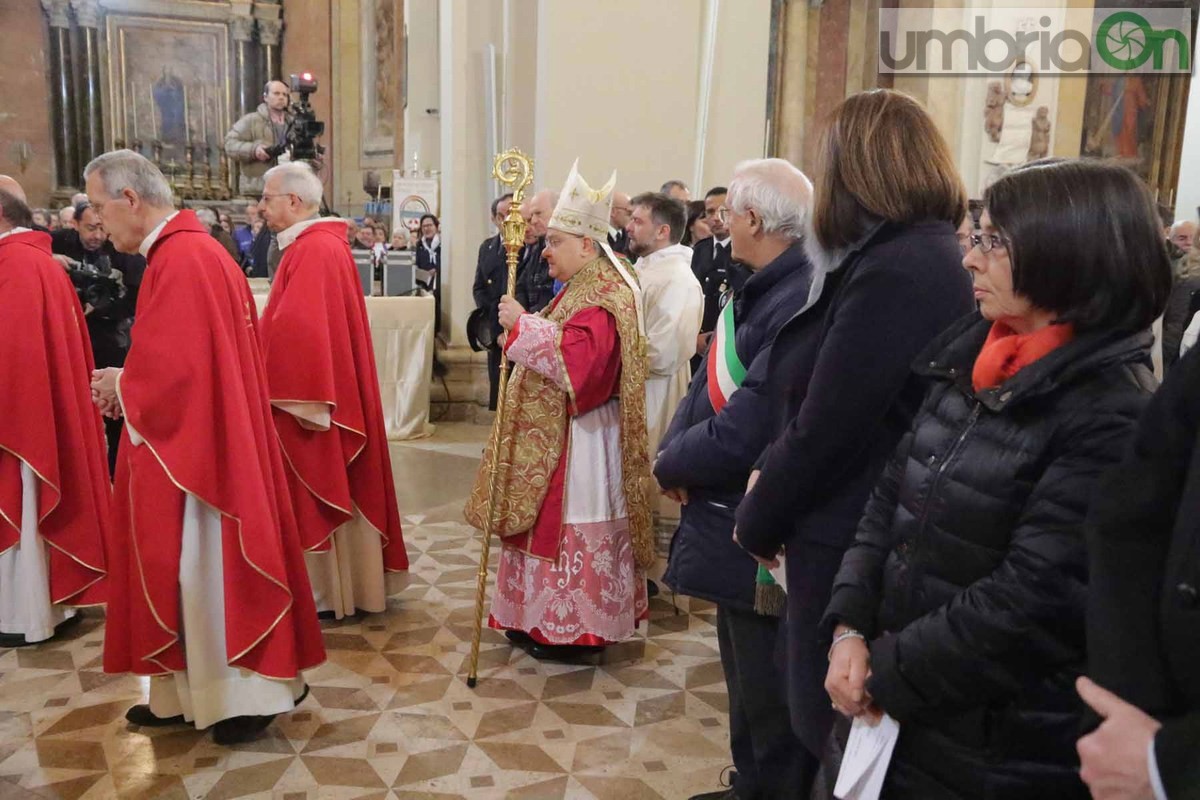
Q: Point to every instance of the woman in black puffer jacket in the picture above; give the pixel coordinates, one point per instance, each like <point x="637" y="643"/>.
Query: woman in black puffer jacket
<point x="959" y="610"/>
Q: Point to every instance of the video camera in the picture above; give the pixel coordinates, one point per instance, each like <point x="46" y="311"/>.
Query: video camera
<point x="304" y="128"/>
<point x="97" y="285"/>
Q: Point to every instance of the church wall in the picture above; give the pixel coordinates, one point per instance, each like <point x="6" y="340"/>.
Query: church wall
<point x="26" y="147"/>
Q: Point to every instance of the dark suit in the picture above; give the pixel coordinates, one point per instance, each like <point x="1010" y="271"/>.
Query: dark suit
<point x="1144" y="576"/>
<point x="535" y="287"/>
<point x="717" y="272"/>
<point x="432" y="261"/>
<point x="491" y="281"/>
<point x="619" y="242"/>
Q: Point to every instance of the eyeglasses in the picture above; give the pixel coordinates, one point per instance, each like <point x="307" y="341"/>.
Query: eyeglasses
<point x="554" y="242"/>
<point x="987" y="242"/>
<point x="723" y="215"/>
<point x="267" y="197"/>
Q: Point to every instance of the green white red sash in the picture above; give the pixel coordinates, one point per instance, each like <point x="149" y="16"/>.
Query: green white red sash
<point x="725" y="370"/>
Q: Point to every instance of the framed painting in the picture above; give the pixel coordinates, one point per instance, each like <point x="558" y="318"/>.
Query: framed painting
<point x="168" y="83"/>
<point x="380" y="79"/>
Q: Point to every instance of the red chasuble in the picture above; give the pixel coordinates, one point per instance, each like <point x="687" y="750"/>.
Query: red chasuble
<point x="317" y="347"/>
<point x="194" y="388"/>
<point x="49" y="421"/>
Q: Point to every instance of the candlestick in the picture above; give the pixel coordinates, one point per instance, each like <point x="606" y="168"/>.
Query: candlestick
<point x="204" y="118"/>
<point x="133" y="97"/>
<point x="187" y="120"/>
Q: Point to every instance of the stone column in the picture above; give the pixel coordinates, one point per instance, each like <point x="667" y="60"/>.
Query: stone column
<point x="62" y="100"/>
<point x="89" y="114"/>
<point x="270" y="26"/>
<point x="246" y="83"/>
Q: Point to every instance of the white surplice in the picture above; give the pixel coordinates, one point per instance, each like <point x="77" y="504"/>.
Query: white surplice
<point x="25" y="606"/>
<point x="674" y="309"/>
<point x="208" y="690"/>
<point x="350" y="574"/>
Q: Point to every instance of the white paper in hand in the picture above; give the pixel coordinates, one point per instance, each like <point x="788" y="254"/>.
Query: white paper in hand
<point x="780" y="573"/>
<point x="865" y="762"/>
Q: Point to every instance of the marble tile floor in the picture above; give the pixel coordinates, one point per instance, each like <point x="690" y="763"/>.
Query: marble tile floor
<point x="390" y="716"/>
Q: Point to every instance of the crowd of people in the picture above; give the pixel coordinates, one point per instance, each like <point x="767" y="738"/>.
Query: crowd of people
<point x="911" y="446"/>
<point x="919" y="459"/>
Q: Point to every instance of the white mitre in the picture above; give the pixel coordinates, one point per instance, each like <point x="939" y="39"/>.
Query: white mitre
<point x="584" y="211"/>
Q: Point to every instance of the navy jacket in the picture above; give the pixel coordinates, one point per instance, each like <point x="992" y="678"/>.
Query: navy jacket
<point x="835" y="381"/>
<point x="535" y="287"/>
<point x="711" y="455"/>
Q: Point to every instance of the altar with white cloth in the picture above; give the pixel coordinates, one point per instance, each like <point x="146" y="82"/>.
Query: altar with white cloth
<point x="402" y="335"/>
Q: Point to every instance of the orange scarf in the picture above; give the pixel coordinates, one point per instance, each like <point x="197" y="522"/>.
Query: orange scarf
<point x="1006" y="352"/>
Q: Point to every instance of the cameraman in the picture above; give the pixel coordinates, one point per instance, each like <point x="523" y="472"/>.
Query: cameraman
<point x="257" y="139"/>
<point x="107" y="285"/>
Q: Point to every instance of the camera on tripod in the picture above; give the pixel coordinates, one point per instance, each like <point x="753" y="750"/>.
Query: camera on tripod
<point x="304" y="128"/>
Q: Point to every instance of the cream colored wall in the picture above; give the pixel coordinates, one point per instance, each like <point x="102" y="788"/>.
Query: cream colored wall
<point x="422" y="130"/>
<point x="618" y="87"/>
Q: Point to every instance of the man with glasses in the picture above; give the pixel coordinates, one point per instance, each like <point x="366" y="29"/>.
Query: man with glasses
<point x="618" y="238"/>
<point x="535" y="285"/>
<point x="208" y="592"/>
<point x="714" y="267"/>
<point x="571" y="473"/>
<point x="325" y="401"/>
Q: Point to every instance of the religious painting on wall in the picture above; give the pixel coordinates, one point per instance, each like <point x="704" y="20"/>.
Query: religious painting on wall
<point x="1134" y="118"/>
<point x="168" y="84"/>
<point x="380" y="79"/>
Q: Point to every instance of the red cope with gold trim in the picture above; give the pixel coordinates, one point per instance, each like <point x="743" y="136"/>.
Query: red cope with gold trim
<point x="194" y="388"/>
<point x="49" y="421"/>
<point x="317" y="348"/>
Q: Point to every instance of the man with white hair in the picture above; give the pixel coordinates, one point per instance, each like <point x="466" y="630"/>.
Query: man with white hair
<point x="66" y="217"/>
<point x="535" y="286"/>
<point x="208" y="591"/>
<point x="571" y="469"/>
<point x="718" y="433"/>
<point x="325" y="401"/>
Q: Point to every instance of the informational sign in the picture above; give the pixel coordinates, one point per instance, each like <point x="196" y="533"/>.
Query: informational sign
<point x="412" y="197"/>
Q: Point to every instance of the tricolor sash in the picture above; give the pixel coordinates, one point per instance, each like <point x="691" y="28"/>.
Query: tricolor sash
<point x="725" y="370"/>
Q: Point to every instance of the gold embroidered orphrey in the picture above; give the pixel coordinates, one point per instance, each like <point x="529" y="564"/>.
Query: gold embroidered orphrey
<point x="536" y="424"/>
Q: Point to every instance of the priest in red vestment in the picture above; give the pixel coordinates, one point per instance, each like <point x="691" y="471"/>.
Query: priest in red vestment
<point x="571" y="476"/>
<point x="54" y="489"/>
<point x="325" y="401"/>
<point x="208" y="588"/>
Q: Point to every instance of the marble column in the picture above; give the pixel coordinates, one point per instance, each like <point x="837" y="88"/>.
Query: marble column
<point x="270" y="26"/>
<point x="246" y="83"/>
<point x="89" y="111"/>
<point x="62" y="100"/>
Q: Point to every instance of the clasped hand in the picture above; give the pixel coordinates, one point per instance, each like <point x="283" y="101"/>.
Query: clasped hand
<point x="846" y="679"/>
<point x="104" y="391"/>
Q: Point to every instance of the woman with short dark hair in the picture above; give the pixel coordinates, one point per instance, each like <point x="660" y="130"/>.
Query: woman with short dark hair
<point x="886" y="281"/>
<point x="959" y="609"/>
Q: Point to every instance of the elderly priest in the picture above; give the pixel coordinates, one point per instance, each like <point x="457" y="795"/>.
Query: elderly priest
<point x="209" y="592"/>
<point x="571" y="501"/>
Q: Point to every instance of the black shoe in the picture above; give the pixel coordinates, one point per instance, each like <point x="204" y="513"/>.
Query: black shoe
<point x="562" y="652"/>
<point x="651" y="588"/>
<point x="142" y="715"/>
<point x="14" y="640"/>
<point x="237" y="730"/>
<point x="519" y="638"/>
<point x="724" y="794"/>
<point x="330" y="614"/>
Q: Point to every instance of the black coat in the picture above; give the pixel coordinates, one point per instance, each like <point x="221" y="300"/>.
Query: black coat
<point x="109" y="283"/>
<point x="711" y="455"/>
<point x="535" y="287"/>
<point x="1144" y="603"/>
<point x="491" y="278"/>
<point x="969" y="570"/>
<point x="717" y="272"/>
<point x="835" y="380"/>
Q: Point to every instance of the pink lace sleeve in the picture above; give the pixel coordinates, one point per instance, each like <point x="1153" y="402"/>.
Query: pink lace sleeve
<point x="536" y="346"/>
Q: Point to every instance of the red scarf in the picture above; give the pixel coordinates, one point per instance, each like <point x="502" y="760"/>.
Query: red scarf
<point x="1006" y="352"/>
